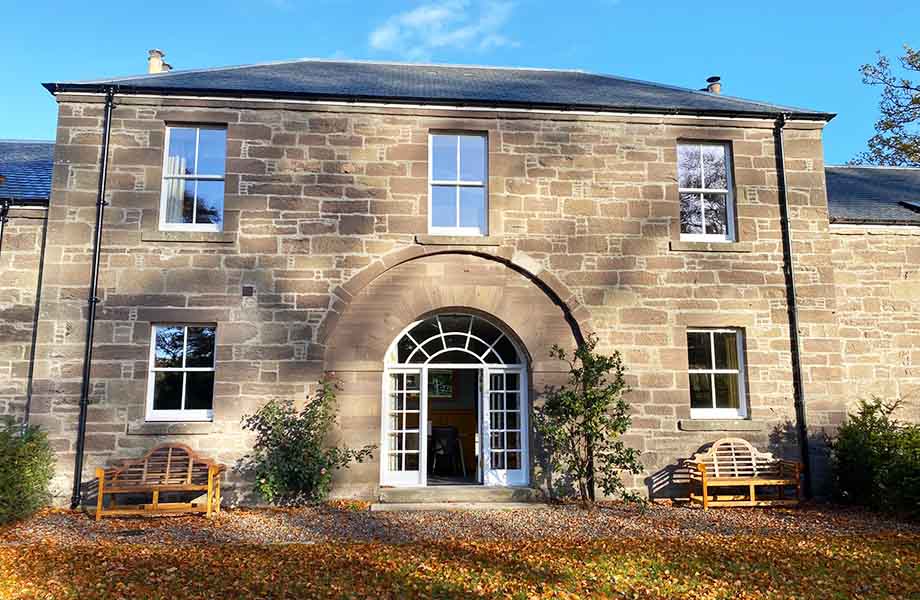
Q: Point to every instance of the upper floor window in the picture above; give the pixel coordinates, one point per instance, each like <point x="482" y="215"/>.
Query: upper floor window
<point x="458" y="172"/>
<point x="715" y="358"/>
<point x="704" y="175"/>
<point x="181" y="379"/>
<point x="193" y="179"/>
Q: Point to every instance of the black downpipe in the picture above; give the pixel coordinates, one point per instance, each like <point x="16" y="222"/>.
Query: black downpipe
<point x="35" y="317"/>
<point x="4" y="218"/>
<point x="798" y="388"/>
<point x="92" y="301"/>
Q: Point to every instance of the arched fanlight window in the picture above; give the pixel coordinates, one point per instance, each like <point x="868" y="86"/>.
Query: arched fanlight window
<point x="454" y="339"/>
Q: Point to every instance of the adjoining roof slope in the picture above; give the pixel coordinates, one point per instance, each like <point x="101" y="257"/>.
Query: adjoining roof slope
<point x="873" y="195"/>
<point x="439" y="84"/>
<point x="26" y="167"/>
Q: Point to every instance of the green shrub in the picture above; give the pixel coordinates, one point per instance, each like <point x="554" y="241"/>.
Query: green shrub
<point x="26" y="469"/>
<point x="876" y="459"/>
<point x="291" y="461"/>
<point x="581" y="426"/>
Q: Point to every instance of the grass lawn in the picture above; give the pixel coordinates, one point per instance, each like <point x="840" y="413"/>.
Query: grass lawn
<point x="706" y="564"/>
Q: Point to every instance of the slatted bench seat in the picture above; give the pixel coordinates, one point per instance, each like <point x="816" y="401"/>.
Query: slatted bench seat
<point x="734" y="463"/>
<point x="164" y="469"/>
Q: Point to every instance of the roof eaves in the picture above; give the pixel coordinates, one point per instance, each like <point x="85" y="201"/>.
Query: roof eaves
<point x="56" y="88"/>
<point x="852" y="221"/>
<point x="16" y="201"/>
<point x="911" y="204"/>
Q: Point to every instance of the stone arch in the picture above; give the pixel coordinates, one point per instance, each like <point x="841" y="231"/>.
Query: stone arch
<point x="379" y="301"/>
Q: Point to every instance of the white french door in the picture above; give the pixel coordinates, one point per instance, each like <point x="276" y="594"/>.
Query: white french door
<point x="405" y="414"/>
<point x="504" y="427"/>
<point x="454" y="342"/>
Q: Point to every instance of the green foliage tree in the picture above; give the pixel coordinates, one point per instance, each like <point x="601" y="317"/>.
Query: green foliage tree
<point x="581" y="424"/>
<point x="876" y="459"/>
<point x="896" y="142"/>
<point x="291" y="460"/>
<point x="26" y="469"/>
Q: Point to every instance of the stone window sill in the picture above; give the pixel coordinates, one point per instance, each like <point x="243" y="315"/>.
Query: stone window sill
<point x="458" y="240"/>
<point x="686" y="246"/>
<point x="719" y="425"/>
<point x="171" y="428"/>
<point x="210" y="237"/>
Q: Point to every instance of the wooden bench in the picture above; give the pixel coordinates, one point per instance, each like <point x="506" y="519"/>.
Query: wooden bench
<point x="733" y="462"/>
<point x="166" y="468"/>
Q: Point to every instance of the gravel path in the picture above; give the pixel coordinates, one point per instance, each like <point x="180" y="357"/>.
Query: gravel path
<point x="354" y="523"/>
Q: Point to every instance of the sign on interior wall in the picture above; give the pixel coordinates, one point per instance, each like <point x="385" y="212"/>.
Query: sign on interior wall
<point x="441" y="384"/>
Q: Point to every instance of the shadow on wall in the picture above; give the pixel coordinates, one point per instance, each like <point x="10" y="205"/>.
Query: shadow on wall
<point x="549" y="477"/>
<point x="555" y="482"/>
<point x="673" y="481"/>
<point x="784" y="444"/>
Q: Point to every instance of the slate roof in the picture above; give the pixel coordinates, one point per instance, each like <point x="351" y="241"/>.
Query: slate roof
<point x="439" y="84"/>
<point x="26" y="167"/>
<point x="873" y="195"/>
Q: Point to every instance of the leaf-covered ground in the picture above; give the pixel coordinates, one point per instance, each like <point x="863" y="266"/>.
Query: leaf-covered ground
<point x="664" y="553"/>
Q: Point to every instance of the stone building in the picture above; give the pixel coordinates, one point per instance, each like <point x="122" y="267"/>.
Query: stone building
<point x="25" y="186"/>
<point x="427" y="233"/>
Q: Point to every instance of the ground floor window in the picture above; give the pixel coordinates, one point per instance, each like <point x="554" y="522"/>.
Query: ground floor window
<point x="181" y="375"/>
<point x="716" y="361"/>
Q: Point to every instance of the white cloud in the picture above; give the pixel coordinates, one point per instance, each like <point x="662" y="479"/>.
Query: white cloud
<point x="445" y="24"/>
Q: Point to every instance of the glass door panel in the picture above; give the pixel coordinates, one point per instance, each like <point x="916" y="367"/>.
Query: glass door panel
<point x="403" y="443"/>
<point x="505" y="423"/>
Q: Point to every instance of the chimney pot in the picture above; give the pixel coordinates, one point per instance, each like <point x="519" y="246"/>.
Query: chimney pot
<point x="714" y="84"/>
<point x="155" y="62"/>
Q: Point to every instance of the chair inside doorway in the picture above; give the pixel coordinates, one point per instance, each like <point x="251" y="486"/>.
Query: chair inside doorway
<point x="453" y="397"/>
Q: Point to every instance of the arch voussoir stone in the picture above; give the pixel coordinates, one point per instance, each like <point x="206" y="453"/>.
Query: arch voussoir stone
<point x="384" y="297"/>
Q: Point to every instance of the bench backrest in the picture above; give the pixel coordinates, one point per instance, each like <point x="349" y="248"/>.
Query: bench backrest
<point x="167" y="464"/>
<point x="734" y="457"/>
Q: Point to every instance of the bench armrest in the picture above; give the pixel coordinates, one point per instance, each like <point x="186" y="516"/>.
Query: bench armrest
<point x="107" y="472"/>
<point x="793" y="468"/>
<point x="696" y="469"/>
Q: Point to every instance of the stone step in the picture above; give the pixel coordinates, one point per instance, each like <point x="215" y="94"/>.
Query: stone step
<point x="457" y="493"/>
<point x="453" y="506"/>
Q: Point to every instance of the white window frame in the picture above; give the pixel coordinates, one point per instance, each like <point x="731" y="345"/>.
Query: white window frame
<point x="458" y="184"/>
<point x="721" y="413"/>
<point x="729" y="235"/>
<point x="164" y="190"/>
<point x="181" y="414"/>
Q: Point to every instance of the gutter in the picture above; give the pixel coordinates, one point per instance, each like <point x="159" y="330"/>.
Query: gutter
<point x="455" y="103"/>
<point x="798" y="388"/>
<point x="879" y="222"/>
<point x="92" y="300"/>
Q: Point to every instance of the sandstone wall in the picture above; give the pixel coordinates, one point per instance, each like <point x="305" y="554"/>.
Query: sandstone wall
<point x="19" y="260"/>
<point x="318" y="198"/>
<point x="878" y="290"/>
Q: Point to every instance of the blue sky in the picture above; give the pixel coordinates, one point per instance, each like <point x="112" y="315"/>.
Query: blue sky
<point x="804" y="53"/>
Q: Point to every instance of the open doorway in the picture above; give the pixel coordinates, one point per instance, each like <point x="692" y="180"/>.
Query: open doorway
<point x="454" y="405"/>
<point x="453" y="426"/>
